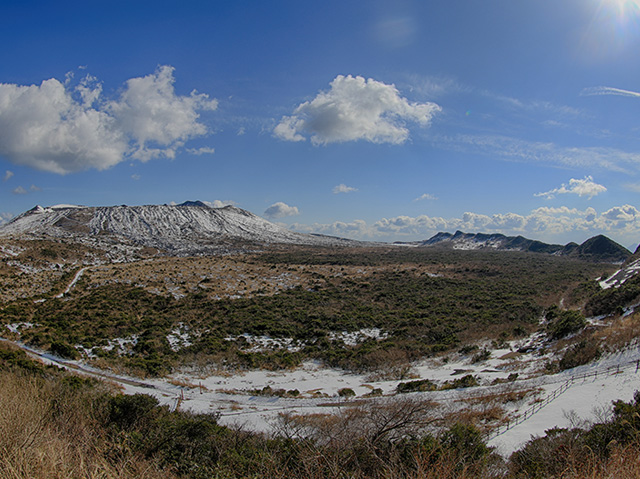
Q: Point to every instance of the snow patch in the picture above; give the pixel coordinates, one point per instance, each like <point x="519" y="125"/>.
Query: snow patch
<point x="179" y="338"/>
<point x="16" y="327"/>
<point x="255" y="344"/>
<point x="356" y="337"/>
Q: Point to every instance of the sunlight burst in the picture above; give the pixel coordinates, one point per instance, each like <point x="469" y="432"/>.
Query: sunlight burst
<point x="624" y="7"/>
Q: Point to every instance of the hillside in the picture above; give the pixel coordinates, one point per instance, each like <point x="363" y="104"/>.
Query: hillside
<point x="186" y="229"/>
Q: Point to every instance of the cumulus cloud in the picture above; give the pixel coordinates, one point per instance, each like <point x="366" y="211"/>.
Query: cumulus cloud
<point x="550" y="224"/>
<point x="355" y="109"/>
<point x="280" y="210"/>
<point x="62" y="129"/>
<point x="352" y="229"/>
<point x="219" y="203"/>
<point x="625" y="214"/>
<point x="583" y="187"/>
<point x="342" y="188"/>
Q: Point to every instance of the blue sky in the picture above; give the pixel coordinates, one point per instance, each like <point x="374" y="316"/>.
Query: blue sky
<point x="378" y="120"/>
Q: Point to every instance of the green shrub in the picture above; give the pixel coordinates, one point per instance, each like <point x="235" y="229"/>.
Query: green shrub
<point x="346" y="393"/>
<point x="417" y="385"/>
<point x="64" y="350"/>
<point x="467" y="381"/>
<point x="565" y="323"/>
<point x="581" y="353"/>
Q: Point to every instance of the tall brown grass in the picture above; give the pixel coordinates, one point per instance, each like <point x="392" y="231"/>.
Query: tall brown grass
<point x="50" y="431"/>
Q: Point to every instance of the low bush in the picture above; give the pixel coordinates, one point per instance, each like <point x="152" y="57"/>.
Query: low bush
<point x="565" y="323"/>
<point x="415" y="386"/>
<point x="581" y="353"/>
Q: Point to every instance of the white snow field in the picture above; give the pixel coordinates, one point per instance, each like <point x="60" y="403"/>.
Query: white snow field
<point x="571" y="398"/>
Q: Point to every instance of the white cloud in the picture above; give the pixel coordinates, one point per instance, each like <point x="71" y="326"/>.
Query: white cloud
<point x="205" y="150"/>
<point x="559" y="224"/>
<point x="5" y="216"/>
<point x="355" y="109"/>
<point x="61" y="129"/>
<point x="426" y="196"/>
<point x="35" y="188"/>
<point x="19" y="191"/>
<point x="353" y="229"/>
<point x="219" y="203"/>
<point x="583" y="187"/>
<point x="135" y="177"/>
<point x="280" y="210"/>
<point x="342" y="188"/>
<point x="7" y="175"/>
<point x="626" y="214"/>
<point x="605" y="90"/>
<point x="150" y="111"/>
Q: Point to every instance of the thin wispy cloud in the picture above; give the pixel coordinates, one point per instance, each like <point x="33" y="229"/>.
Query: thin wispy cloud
<point x="205" y="150"/>
<point x="355" y="109"/>
<point x="635" y="187"/>
<point x="426" y="196"/>
<point x="605" y="90"/>
<point x="342" y="188"/>
<point x="19" y="190"/>
<point x="581" y="187"/>
<point x="515" y="149"/>
<point x="219" y="203"/>
<point x="7" y="175"/>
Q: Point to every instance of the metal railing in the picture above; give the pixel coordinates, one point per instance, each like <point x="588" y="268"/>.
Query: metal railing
<point x="617" y="369"/>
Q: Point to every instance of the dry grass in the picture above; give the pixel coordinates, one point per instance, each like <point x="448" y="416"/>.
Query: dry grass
<point x="620" y="333"/>
<point x="45" y="434"/>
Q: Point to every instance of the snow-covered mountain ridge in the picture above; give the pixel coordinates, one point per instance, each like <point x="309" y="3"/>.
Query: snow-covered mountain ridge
<point x="597" y="248"/>
<point x="188" y="228"/>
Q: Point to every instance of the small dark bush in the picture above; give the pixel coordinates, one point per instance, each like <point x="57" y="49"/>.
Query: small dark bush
<point x="467" y="381"/>
<point x="64" y="350"/>
<point x="582" y="353"/>
<point x="418" y="385"/>
<point x="565" y="323"/>
<point x="346" y="392"/>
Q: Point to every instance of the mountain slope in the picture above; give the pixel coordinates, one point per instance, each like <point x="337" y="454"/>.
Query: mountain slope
<point x="189" y="228"/>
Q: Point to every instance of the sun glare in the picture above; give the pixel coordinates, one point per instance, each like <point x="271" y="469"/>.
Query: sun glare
<point x="625" y="8"/>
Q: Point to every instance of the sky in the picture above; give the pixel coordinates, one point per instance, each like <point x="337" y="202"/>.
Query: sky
<point x="373" y="120"/>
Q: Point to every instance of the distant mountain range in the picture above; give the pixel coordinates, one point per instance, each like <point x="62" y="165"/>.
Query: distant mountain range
<point x="598" y="248"/>
<point x="194" y="227"/>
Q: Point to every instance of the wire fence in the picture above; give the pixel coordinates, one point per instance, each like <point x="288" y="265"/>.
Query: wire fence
<point x="611" y="370"/>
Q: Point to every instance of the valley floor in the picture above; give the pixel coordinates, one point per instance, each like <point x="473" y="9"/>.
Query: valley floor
<point x="530" y="404"/>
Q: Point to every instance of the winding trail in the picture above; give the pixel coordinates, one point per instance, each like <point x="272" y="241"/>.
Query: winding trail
<point x="73" y="282"/>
